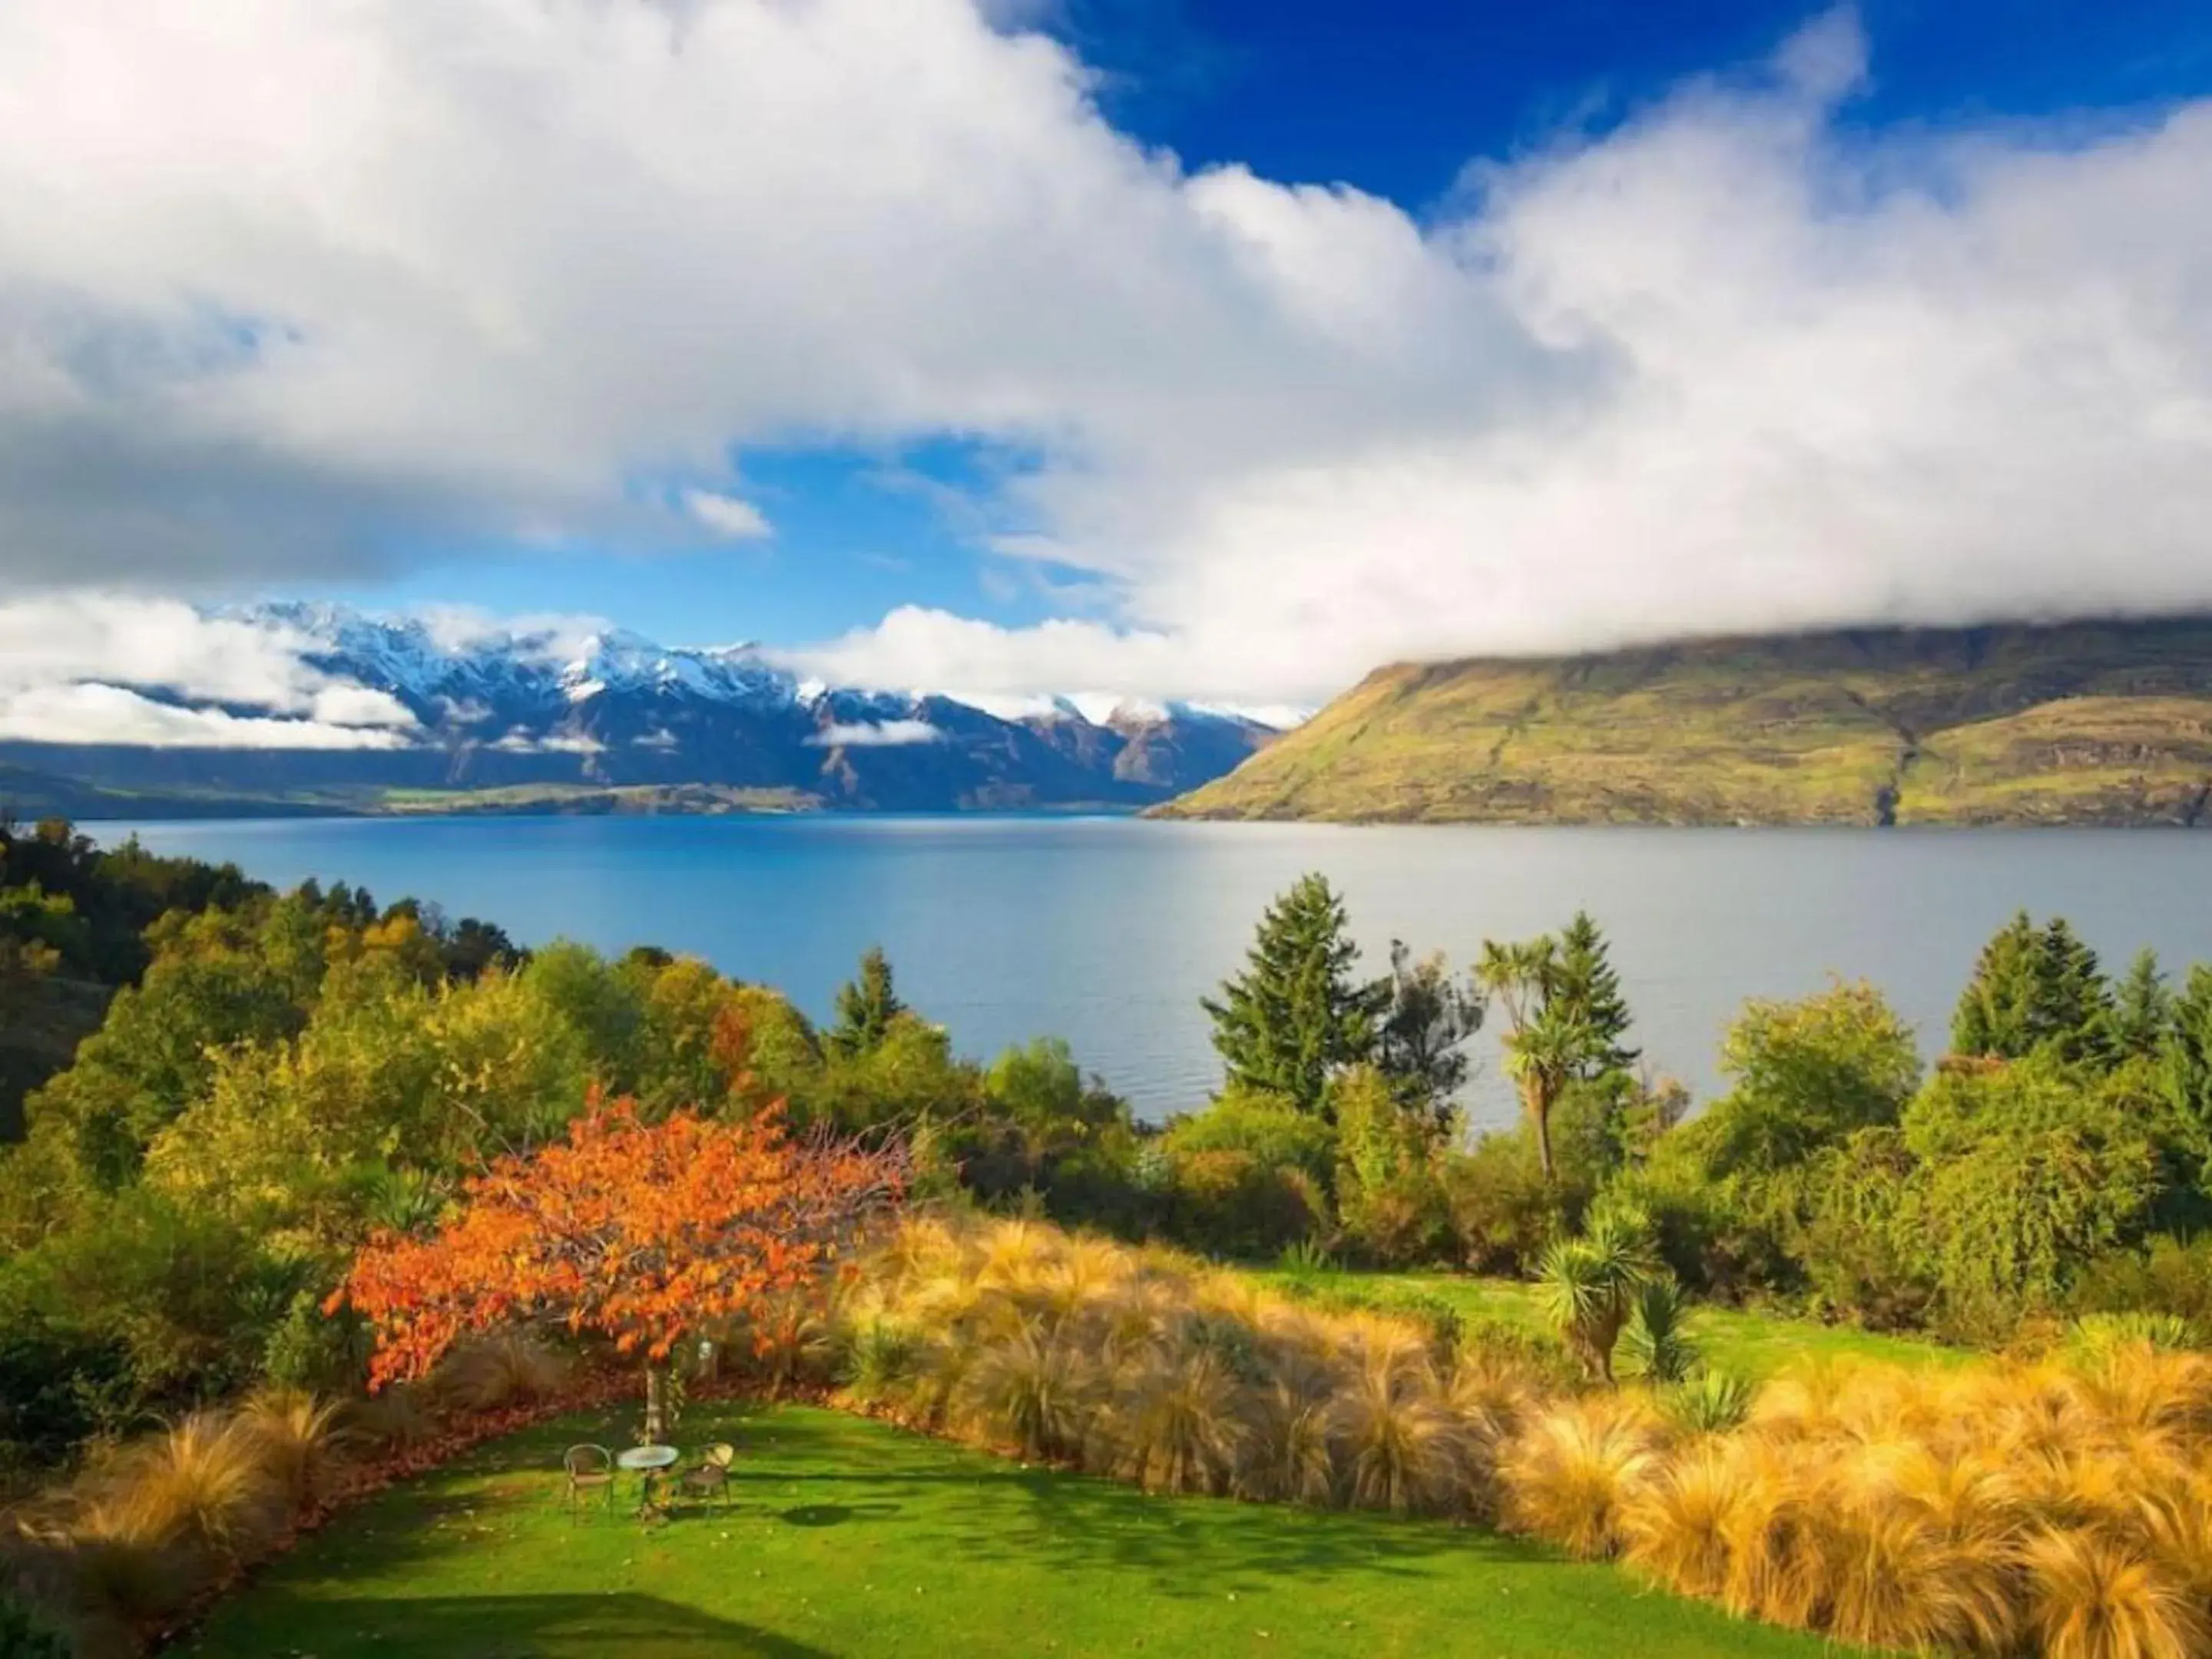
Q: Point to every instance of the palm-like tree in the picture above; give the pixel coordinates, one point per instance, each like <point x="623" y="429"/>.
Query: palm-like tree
<point x="1590" y="1284"/>
<point x="1546" y="1041"/>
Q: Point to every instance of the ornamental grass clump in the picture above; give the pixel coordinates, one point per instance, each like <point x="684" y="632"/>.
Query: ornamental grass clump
<point x="1031" y="1392"/>
<point x="301" y="1441"/>
<point x="499" y="1369"/>
<point x="2060" y="1507"/>
<point x="1570" y="1475"/>
<point x="2093" y="1596"/>
<point x="1399" y="1445"/>
<point x="1679" y="1526"/>
<point x="205" y="1485"/>
<point x="1176" y="1421"/>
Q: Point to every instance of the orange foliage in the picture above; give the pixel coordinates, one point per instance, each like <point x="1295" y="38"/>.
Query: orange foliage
<point x="641" y="1232"/>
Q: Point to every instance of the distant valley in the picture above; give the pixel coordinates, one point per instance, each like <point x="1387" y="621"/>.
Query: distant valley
<point x="622" y="724"/>
<point x="2089" y="723"/>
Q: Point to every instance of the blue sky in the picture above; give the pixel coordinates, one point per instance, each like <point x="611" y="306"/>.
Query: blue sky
<point x="1219" y="349"/>
<point x="1396" y="95"/>
<point x="1393" y="97"/>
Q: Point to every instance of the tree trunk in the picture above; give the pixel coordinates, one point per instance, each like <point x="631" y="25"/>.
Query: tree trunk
<point x="1539" y="1111"/>
<point x="656" y="1402"/>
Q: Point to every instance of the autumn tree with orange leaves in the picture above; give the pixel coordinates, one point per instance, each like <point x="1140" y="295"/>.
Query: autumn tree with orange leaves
<point x="642" y="1231"/>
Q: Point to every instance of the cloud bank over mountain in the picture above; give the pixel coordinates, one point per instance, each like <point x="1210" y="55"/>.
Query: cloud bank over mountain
<point x="291" y="293"/>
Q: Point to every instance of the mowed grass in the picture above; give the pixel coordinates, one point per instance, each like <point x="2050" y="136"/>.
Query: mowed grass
<point x="1752" y="1344"/>
<point x="848" y="1537"/>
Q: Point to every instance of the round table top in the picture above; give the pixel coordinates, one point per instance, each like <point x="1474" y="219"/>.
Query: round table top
<point x="648" y="1457"/>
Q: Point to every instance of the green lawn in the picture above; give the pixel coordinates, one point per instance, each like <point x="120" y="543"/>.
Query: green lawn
<point x="847" y="1537"/>
<point x="1755" y="1344"/>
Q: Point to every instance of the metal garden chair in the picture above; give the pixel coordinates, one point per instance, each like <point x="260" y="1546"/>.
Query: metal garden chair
<point x="590" y="1470"/>
<point x="710" y="1476"/>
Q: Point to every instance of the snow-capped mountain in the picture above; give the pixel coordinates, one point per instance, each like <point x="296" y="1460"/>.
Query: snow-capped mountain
<point x="459" y="705"/>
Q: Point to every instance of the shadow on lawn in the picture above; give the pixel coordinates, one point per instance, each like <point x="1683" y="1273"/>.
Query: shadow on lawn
<point x="515" y="1627"/>
<point x="817" y="1469"/>
<point x="973" y="1507"/>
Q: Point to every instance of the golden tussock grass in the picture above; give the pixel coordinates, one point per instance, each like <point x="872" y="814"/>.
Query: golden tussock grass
<point x="501" y="1367"/>
<point x="2092" y="1597"/>
<point x="1571" y="1473"/>
<point x="301" y="1440"/>
<point x="2063" y="1506"/>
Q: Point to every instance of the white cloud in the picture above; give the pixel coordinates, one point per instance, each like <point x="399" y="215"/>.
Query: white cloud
<point x="728" y="516"/>
<point x="875" y="734"/>
<point x="358" y="705"/>
<point x="916" y="648"/>
<point x="519" y="742"/>
<point x="75" y="668"/>
<point x="282" y="285"/>
<point x="155" y="642"/>
<point x="88" y="712"/>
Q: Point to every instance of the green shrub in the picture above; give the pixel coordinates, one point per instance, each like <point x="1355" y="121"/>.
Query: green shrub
<point x="1805" y="1074"/>
<point x="25" y="1635"/>
<point x="320" y="1353"/>
<point x="2095" y="1335"/>
<point x="1503" y="1214"/>
<point x="882" y="1359"/>
<point x="1858" y="1258"/>
<point x="59" y="1387"/>
<point x="2025" y="1176"/>
<point x="2169" y="1275"/>
<point x="1657" y="1343"/>
<point x="1589" y="1284"/>
<point x="1303" y="1258"/>
<point x="1712" y="1402"/>
<point x="1390" y="1201"/>
<point x="1231" y="1204"/>
<point x="1269" y="1127"/>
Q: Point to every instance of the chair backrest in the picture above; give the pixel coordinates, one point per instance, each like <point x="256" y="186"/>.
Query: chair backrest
<point x="587" y="1459"/>
<point x="722" y="1455"/>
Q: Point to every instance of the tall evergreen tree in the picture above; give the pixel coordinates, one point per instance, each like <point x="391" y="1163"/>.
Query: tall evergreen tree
<point x="2185" y="1062"/>
<point x="1297" y="1015"/>
<point x="2078" y="1010"/>
<point x="866" y="1006"/>
<point x="1991" y="1017"/>
<point x="1586" y="982"/>
<point x="2142" y="1009"/>
<point x="2036" y="990"/>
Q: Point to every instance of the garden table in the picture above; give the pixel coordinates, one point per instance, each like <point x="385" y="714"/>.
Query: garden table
<point x="646" y="1463"/>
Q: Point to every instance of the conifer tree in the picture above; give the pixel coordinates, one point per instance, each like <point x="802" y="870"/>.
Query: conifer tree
<point x="1297" y="1015"/>
<point x="866" y="1006"/>
<point x="2036" y="990"/>
<point x="1585" y="981"/>
<point x="1990" y="1018"/>
<point x="2078" y="1009"/>
<point x="2142" y="1009"/>
<point x="2185" y="1062"/>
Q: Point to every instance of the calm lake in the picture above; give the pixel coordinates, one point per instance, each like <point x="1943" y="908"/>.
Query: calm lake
<point x="1107" y="930"/>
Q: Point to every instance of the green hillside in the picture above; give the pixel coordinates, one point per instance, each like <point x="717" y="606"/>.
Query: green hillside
<point x="2082" y="723"/>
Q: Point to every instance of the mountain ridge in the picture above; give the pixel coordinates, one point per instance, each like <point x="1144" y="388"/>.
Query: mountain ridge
<point x="2087" y="722"/>
<point x="615" y="719"/>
